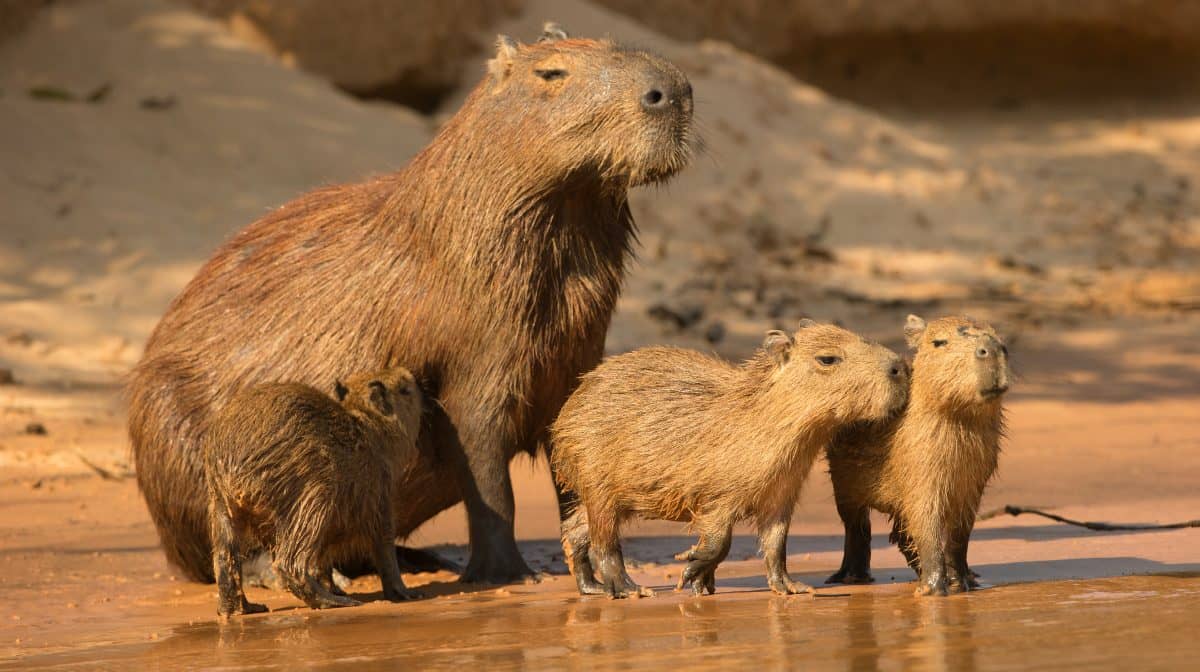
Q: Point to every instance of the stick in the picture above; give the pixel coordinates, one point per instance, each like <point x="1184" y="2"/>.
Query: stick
<point x="1099" y="527"/>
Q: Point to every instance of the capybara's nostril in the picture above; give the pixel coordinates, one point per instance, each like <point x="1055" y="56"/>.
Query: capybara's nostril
<point x="896" y="369"/>
<point x="654" y="99"/>
<point x="982" y="353"/>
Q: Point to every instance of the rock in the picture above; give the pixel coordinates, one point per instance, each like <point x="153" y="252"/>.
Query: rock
<point x="7" y="378"/>
<point x="36" y="429"/>
<point x="715" y="333"/>
<point x="681" y="317"/>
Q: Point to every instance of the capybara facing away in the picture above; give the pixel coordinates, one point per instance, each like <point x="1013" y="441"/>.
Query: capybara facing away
<point x="674" y="434"/>
<point x="309" y="479"/>
<point x="489" y="267"/>
<point x="928" y="466"/>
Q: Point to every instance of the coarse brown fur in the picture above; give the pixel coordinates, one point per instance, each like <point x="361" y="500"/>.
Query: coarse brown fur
<point x="674" y="434"/>
<point x="310" y="480"/>
<point x="489" y="266"/>
<point x="927" y="467"/>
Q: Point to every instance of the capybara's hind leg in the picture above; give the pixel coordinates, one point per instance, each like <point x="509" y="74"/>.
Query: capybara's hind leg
<point x="308" y="588"/>
<point x="700" y="572"/>
<point x="932" y="580"/>
<point x="856" y="552"/>
<point x="389" y="569"/>
<point x="577" y="546"/>
<point x="227" y="567"/>
<point x="610" y="562"/>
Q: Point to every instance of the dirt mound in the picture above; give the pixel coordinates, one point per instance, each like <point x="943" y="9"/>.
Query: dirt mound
<point x="407" y="52"/>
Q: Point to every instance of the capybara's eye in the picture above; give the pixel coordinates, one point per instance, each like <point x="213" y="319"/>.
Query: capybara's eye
<point x="404" y="391"/>
<point x="551" y="74"/>
<point x="940" y="342"/>
<point x="828" y="360"/>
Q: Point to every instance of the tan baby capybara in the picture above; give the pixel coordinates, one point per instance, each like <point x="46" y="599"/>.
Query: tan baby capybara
<point x="673" y="434"/>
<point x="928" y="466"/>
<point x="489" y="267"/>
<point x="309" y="479"/>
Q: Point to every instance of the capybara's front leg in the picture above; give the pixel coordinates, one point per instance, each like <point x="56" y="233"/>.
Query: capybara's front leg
<point x="904" y="541"/>
<point x="856" y="553"/>
<point x="961" y="577"/>
<point x="932" y="549"/>
<point x="308" y="588"/>
<point x="576" y="543"/>
<point x="700" y="572"/>
<point x="482" y="463"/>
<point x="227" y="567"/>
<point x="773" y="541"/>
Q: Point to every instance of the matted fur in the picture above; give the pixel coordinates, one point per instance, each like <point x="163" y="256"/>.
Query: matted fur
<point x="310" y="480"/>
<point x="927" y="468"/>
<point x="674" y="434"/>
<point x="489" y="266"/>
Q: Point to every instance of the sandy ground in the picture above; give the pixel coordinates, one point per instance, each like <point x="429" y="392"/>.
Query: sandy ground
<point x="1076" y="228"/>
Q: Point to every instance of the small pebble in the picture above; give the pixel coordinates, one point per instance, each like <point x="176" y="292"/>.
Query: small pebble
<point x="35" y="429"/>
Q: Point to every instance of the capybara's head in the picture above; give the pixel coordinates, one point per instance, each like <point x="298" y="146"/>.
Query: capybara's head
<point x="577" y="106"/>
<point x="837" y="373"/>
<point x="959" y="361"/>
<point x="392" y="393"/>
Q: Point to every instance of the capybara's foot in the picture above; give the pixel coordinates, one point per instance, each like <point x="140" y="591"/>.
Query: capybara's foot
<point x="623" y="589"/>
<point x="701" y="576"/>
<point x="401" y="594"/>
<point x="850" y="578"/>
<point x="963" y="585"/>
<point x="332" y="601"/>
<point x="933" y="584"/>
<point x="487" y="566"/>
<point x="786" y="586"/>
<point x="239" y="609"/>
<point x="419" y="561"/>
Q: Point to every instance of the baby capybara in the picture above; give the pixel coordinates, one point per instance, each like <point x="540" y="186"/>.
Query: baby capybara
<point x="673" y="434"/>
<point x="308" y="479"/>
<point x="489" y="267"/>
<point x="927" y="467"/>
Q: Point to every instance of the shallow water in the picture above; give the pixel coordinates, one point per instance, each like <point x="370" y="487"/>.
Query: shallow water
<point x="1119" y="623"/>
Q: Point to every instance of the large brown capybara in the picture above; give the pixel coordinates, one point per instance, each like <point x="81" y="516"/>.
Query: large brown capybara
<point x="489" y="267"/>
<point x="673" y="434"/>
<point x="927" y="467"/>
<point x="310" y="480"/>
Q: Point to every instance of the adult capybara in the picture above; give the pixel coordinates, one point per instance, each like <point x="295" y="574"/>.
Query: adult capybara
<point x="927" y="467"/>
<point x="489" y="267"/>
<point x="674" y="434"/>
<point x="310" y="480"/>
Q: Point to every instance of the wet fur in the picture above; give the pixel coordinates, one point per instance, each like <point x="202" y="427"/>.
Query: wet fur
<point x="926" y="468"/>
<point x="489" y="266"/>
<point x="294" y="472"/>
<point x="674" y="434"/>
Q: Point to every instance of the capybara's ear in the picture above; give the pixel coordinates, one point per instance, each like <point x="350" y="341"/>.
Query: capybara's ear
<point x="339" y="390"/>
<point x="506" y="50"/>
<point x="777" y="344"/>
<point x="379" y="397"/>
<point x="551" y="32"/>
<point x="914" y="329"/>
<point x="805" y="323"/>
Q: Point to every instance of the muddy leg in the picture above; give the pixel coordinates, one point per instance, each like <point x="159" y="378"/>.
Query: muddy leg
<point x="700" y="573"/>
<point x="856" y="553"/>
<point x="610" y="562"/>
<point x="772" y="536"/>
<point x="331" y="584"/>
<point x="385" y="560"/>
<point x="227" y="566"/>
<point x="307" y="586"/>
<point x="577" y="545"/>
<point x="482" y="465"/>
<point x="904" y="541"/>
<point x="960" y="574"/>
<point x="932" y="579"/>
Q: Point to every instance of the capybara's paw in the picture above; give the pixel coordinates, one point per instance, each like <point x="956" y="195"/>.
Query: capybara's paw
<point x="932" y="587"/>
<point x="850" y="578"/>
<point x="701" y="578"/>
<point x="246" y="607"/>
<point x="786" y="586"/>
<point x="334" y="602"/>
<point x="590" y="586"/>
<point x="401" y="594"/>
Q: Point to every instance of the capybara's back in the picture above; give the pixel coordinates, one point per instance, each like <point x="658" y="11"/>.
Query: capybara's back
<point x="307" y="478"/>
<point x="674" y="434"/>
<point x="489" y="266"/>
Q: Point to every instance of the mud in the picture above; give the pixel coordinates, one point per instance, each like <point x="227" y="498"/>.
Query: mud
<point x="1028" y="626"/>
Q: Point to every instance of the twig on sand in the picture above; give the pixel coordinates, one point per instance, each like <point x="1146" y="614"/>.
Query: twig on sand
<point x="101" y="471"/>
<point x="1099" y="527"/>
